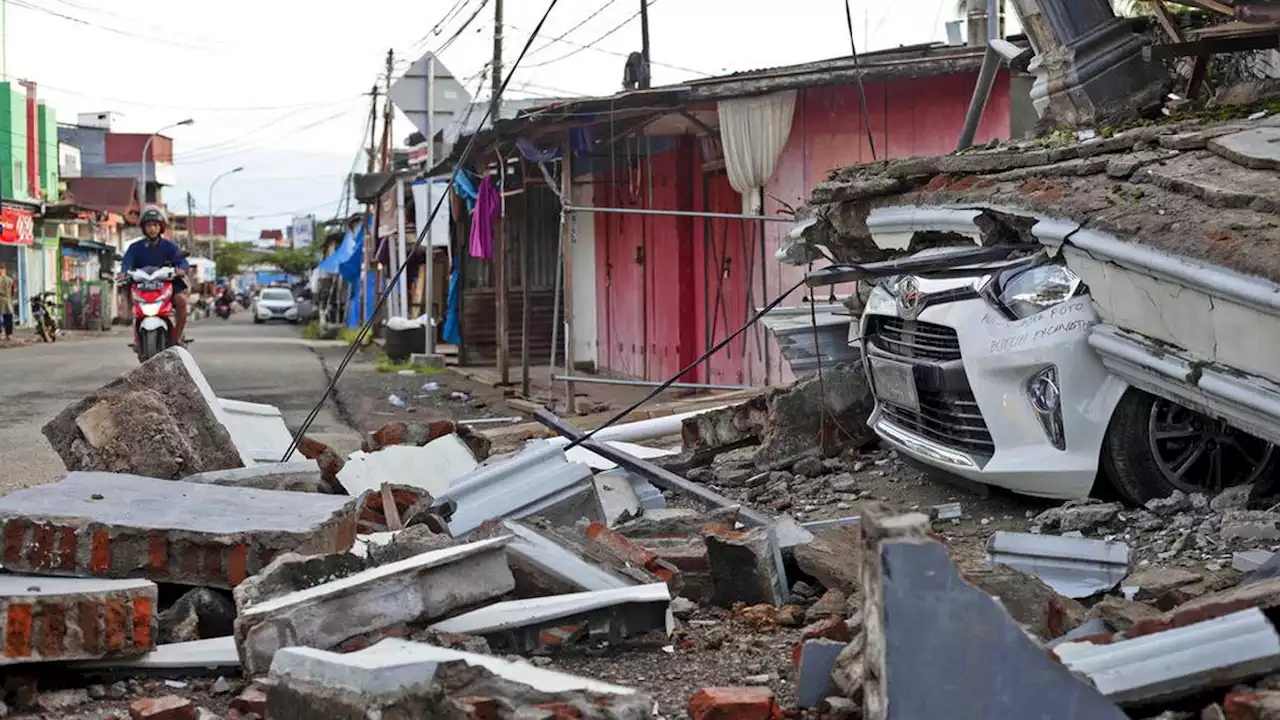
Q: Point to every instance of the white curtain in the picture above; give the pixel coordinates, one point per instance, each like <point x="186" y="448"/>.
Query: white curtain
<point x="753" y="131"/>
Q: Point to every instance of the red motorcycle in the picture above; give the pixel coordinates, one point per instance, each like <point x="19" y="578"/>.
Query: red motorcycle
<point x="153" y="313"/>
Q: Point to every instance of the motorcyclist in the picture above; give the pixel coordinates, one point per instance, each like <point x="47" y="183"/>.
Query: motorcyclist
<point x="155" y="250"/>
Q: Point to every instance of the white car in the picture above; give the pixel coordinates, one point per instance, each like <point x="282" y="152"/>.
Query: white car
<point x="991" y="378"/>
<point x="275" y="304"/>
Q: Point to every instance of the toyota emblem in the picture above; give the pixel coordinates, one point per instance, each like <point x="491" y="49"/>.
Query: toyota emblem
<point x="910" y="299"/>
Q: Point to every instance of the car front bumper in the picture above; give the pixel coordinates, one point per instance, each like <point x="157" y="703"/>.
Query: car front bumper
<point x="972" y="371"/>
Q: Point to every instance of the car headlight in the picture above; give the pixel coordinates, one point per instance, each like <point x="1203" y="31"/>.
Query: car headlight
<point x="1039" y="288"/>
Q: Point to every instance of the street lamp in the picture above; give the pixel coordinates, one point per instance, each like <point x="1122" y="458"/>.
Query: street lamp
<point x="146" y="148"/>
<point x="233" y="170"/>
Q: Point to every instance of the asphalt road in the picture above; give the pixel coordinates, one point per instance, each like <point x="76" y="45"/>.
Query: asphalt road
<point x="242" y="361"/>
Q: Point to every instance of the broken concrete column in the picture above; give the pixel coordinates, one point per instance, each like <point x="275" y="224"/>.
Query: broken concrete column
<point x="912" y="595"/>
<point x="708" y="433"/>
<point x="743" y="568"/>
<point x="160" y="420"/>
<point x="402" y="679"/>
<point x="291" y="572"/>
<point x="1089" y="64"/>
<point x="109" y="525"/>
<point x="833" y="558"/>
<point x="1029" y="601"/>
<point x="421" y="588"/>
<point x="816" y="412"/>
<point x="45" y="619"/>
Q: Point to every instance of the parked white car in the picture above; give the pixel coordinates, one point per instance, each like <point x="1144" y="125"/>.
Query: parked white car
<point x="992" y="378"/>
<point x="275" y="304"/>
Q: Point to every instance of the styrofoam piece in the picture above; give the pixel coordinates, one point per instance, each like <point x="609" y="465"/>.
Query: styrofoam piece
<point x="1075" y="567"/>
<point x="1180" y="662"/>
<point x="522" y="613"/>
<point x="392" y="665"/>
<point x="433" y="467"/>
<point x="210" y="653"/>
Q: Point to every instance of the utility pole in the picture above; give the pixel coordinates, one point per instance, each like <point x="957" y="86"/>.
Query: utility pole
<point x="387" y="114"/>
<point x="644" y="50"/>
<point x="495" y="102"/>
<point x="500" y="236"/>
<point x="191" y="224"/>
<point x="373" y="127"/>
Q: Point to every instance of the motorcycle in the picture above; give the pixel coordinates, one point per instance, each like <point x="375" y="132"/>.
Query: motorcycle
<point x="223" y="309"/>
<point x="46" y="324"/>
<point x="151" y="289"/>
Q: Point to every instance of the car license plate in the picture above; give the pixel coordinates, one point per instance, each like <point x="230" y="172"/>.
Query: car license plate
<point x="895" y="383"/>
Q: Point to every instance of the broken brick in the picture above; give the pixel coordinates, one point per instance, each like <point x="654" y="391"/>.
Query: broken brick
<point x="832" y="627"/>
<point x="477" y="707"/>
<point x="252" y="700"/>
<point x="1264" y="595"/>
<point x="632" y="553"/>
<point x="329" y="462"/>
<point x="169" y="707"/>
<point x="732" y="703"/>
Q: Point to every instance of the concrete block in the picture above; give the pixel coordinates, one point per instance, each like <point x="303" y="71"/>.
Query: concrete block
<point x="401" y="675"/>
<point x="160" y="420"/>
<point x="617" y="499"/>
<point x="290" y="572"/>
<point x="257" y="429"/>
<point x="292" y="476"/>
<point x="216" y="655"/>
<point x="813" y="679"/>
<point x="912" y="596"/>
<point x="1250" y="560"/>
<point x="111" y="525"/>
<point x="421" y="588"/>
<point x="611" y="615"/>
<point x="432" y="467"/>
<point x="743" y="568"/>
<point x="45" y="619"/>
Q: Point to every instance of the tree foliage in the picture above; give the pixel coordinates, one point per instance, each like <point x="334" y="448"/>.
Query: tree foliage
<point x="232" y="257"/>
<point x="295" y="261"/>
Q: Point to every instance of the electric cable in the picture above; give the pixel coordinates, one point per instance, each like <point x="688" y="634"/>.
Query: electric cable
<point x="108" y="28"/>
<point x="591" y="44"/>
<point x="616" y="53"/>
<point x="394" y="281"/>
<point x="862" y="90"/>
<point x="144" y="23"/>
<point x="561" y="37"/>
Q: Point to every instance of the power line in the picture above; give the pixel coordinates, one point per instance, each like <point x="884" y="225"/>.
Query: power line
<point x="108" y="28"/>
<point x="589" y="45"/>
<point x="616" y="54"/>
<point x="394" y="280"/>
<point x="561" y="37"/>
<point x="445" y="46"/>
<point x="219" y="148"/>
<point x="144" y="23"/>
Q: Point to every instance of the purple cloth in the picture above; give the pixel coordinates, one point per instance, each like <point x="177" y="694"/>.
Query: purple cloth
<point x="488" y="205"/>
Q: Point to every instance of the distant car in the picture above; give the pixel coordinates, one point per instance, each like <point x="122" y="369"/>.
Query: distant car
<point x="275" y="304"/>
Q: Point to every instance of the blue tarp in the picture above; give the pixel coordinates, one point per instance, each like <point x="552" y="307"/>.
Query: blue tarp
<point x="452" y="321"/>
<point x="345" y="261"/>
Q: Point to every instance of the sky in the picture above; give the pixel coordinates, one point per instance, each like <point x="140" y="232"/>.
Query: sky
<point x="280" y="87"/>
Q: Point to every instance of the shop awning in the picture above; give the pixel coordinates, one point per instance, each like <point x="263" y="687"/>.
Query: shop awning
<point x="89" y="245"/>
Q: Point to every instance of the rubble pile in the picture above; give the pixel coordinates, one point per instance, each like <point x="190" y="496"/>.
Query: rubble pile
<point x="419" y="577"/>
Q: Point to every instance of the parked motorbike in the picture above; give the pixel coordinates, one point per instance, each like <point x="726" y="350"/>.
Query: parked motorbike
<point x="223" y="309"/>
<point x="153" y="313"/>
<point x="46" y="324"/>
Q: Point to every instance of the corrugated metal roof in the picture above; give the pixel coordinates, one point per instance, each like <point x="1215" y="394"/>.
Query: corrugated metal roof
<point x="1075" y="567"/>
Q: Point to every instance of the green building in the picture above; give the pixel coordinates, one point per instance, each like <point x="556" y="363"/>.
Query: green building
<point x="13" y="143"/>
<point x="47" y="121"/>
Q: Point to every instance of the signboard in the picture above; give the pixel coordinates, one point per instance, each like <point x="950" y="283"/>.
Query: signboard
<point x="425" y="196"/>
<point x="303" y="231"/>
<point x="429" y="95"/>
<point x="17" y="226"/>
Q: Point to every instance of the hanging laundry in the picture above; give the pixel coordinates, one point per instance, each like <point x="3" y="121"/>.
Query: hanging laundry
<point x="465" y="188"/>
<point x="488" y="205"/>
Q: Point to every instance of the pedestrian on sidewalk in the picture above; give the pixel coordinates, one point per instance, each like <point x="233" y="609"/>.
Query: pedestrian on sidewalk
<point x="8" y="287"/>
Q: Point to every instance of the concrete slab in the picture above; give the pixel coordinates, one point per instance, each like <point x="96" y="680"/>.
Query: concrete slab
<point x="213" y="654"/>
<point x="420" y="588"/>
<point x="292" y="476"/>
<point x="813" y="678"/>
<point x="617" y="499"/>
<point x="394" y="665"/>
<point x="1257" y="148"/>
<point x="606" y="614"/>
<point x="114" y="525"/>
<point x="432" y="467"/>
<point x="45" y="619"/>
<point x="555" y="566"/>
<point x="257" y="429"/>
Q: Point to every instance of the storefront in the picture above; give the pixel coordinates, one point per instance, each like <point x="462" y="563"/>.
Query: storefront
<point x="17" y="233"/>
<point x="88" y="302"/>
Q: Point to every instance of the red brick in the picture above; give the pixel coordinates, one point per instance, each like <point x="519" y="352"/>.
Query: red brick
<point x="252" y="700"/>
<point x="732" y="703"/>
<point x="189" y="560"/>
<point x="142" y="623"/>
<point x="558" y="636"/>
<point x="90" y="637"/>
<point x="40" y="554"/>
<point x="15" y="536"/>
<point x="360" y="642"/>
<point x="346" y="535"/>
<point x="67" y="543"/>
<point x="117" y="626"/>
<point x="477" y="707"/>
<point x="169" y="707"/>
<point x="831" y="627"/>
<point x="213" y="571"/>
<point x="237" y="564"/>
<point x="561" y="710"/>
<point x="17" y="631"/>
<point x="621" y="546"/>
<point x="100" y="556"/>
<point x="158" y="554"/>
<point x="53" y="629"/>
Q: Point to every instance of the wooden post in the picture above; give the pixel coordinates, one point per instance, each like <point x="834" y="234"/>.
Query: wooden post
<point x="524" y="286"/>
<point x="566" y="228"/>
<point x="500" y="291"/>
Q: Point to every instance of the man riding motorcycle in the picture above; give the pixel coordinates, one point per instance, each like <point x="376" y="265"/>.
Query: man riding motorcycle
<point x="155" y="250"/>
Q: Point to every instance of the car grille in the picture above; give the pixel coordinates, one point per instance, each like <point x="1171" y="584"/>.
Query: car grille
<point x="913" y="339"/>
<point x="949" y="417"/>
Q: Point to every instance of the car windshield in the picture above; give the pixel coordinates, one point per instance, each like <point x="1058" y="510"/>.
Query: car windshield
<point x="277" y="295"/>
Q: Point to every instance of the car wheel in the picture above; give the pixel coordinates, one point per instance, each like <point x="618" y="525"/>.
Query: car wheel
<point x="257" y="321"/>
<point x="1154" y="446"/>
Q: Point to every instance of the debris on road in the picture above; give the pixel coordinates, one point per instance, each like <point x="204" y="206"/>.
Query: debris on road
<point x="56" y="619"/>
<point x="1075" y="567"/>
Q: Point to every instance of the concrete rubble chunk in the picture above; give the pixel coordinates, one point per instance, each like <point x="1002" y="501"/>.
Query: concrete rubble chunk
<point x="1216" y="181"/>
<point x="1262" y="594"/>
<point x="743" y="567"/>
<point x="911" y="596"/>
<point x="537" y="480"/>
<point x="726" y="428"/>
<point x="1253" y="148"/>
<point x="213" y="655"/>
<point x="398" y="678"/>
<point x="1179" y="662"/>
<point x="617" y="499"/>
<point x="200" y="614"/>
<point x="292" y="476"/>
<point x="109" y="525"/>
<point x="1122" y="614"/>
<point x="678" y="522"/>
<point x="1152" y="583"/>
<point x="404" y="544"/>
<point x="541" y="565"/>
<point x="432" y="468"/>
<point x="947" y="511"/>
<point x="1029" y="601"/>
<point x="1123" y="166"/>
<point x="1250" y="560"/>
<point x="1233" y="498"/>
<point x="48" y="619"/>
<point x="833" y="558"/>
<point x="833" y="408"/>
<point x="813" y="677"/>
<point x="291" y="572"/>
<point x="1075" y="567"/>
<point x="610" y="615"/>
<point x="169" y="707"/>
<point x="422" y="588"/>
<point x="1197" y="139"/>
<point x="160" y="420"/>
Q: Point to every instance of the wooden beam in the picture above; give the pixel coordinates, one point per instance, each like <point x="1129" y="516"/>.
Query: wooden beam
<point x="1198" y="73"/>
<point x="524" y="285"/>
<point x="694" y="119"/>
<point x="1210" y="5"/>
<point x="1166" y="22"/>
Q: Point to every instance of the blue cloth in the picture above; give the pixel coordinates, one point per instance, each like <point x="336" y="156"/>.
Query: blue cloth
<point x="466" y="189"/>
<point x="161" y="253"/>
<point x="452" y="318"/>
